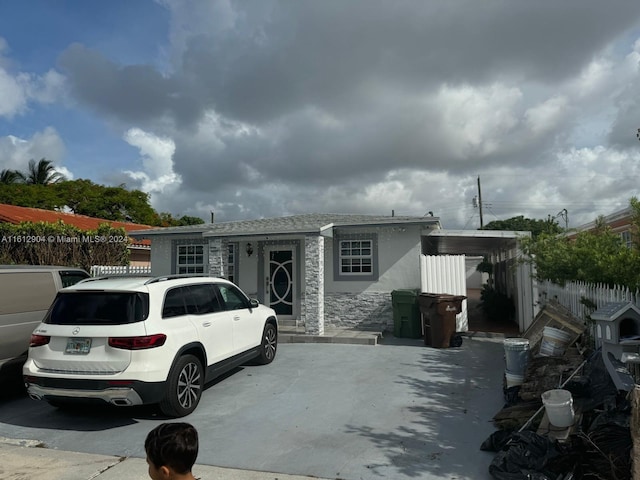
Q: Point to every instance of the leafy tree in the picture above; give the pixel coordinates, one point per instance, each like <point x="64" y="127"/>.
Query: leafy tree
<point x="84" y="197"/>
<point x="42" y="173"/>
<point x="168" y="220"/>
<point x="522" y="224"/>
<point x="597" y="256"/>
<point x="8" y="177"/>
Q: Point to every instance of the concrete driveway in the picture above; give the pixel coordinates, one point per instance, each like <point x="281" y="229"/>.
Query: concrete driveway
<point x="400" y="411"/>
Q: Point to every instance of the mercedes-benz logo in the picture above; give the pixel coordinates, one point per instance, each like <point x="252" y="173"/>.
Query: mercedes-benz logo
<point x="76" y="330"/>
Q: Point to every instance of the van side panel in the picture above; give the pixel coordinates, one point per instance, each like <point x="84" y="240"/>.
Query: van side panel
<point x="26" y="292"/>
<point x="25" y="298"/>
<point x="15" y="332"/>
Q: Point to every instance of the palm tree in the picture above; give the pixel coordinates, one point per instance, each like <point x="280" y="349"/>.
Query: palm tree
<point x="11" y="176"/>
<point x="42" y="173"/>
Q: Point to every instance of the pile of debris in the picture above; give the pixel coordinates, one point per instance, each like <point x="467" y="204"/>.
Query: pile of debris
<point x="597" y="445"/>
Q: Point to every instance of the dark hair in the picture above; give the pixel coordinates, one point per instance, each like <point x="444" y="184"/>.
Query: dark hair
<point x="173" y="445"/>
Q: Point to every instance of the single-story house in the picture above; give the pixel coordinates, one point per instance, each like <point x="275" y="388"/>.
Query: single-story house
<point x="313" y="269"/>
<point x="139" y="250"/>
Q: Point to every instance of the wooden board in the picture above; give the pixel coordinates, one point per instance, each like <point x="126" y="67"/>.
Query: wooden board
<point x="553" y="315"/>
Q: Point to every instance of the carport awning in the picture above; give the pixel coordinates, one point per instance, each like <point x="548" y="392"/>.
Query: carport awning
<point x="470" y="242"/>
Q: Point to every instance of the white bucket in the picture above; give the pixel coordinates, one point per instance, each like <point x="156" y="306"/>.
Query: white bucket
<point x="554" y="342"/>
<point x="513" y="379"/>
<point x="516" y="354"/>
<point x="558" y="404"/>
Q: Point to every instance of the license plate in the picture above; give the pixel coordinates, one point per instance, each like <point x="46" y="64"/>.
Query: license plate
<point x="78" y="346"/>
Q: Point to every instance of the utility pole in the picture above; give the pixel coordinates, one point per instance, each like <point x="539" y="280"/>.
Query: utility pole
<point x="480" y="202"/>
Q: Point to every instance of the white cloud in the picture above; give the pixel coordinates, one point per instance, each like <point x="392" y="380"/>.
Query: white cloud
<point x="546" y="116"/>
<point x="16" y="152"/>
<point x="17" y="90"/>
<point x="13" y="98"/>
<point x="474" y="120"/>
<point x="157" y="175"/>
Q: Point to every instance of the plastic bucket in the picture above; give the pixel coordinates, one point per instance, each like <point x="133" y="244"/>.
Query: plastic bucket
<point x="516" y="354"/>
<point x="513" y="379"/>
<point x="558" y="404"/>
<point x="554" y="342"/>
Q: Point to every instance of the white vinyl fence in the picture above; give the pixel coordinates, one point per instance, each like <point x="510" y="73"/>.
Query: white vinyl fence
<point x="100" y="270"/>
<point x="571" y="294"/>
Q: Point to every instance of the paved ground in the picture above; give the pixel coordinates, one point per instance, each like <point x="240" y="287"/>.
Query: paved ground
<point x="397" y="410"/>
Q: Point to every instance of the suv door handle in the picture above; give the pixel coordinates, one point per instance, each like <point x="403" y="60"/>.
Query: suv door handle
<point x="206" y="324"/>
<point x="236" y="318"/>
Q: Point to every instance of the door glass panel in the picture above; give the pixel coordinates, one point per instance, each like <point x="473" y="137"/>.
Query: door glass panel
<point x="281" y="280"/>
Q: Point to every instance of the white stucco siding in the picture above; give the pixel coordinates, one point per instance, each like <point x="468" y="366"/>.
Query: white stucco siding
<point x="161" y="255"/>
<point x="247" y="277"/>
<point x="398" y="262"/>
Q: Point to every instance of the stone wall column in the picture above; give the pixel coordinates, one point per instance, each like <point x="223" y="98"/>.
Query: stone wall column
<point x="218" y="257"/>
<point x="314" y="284"/>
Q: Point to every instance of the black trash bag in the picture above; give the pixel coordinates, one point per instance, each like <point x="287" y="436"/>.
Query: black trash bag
<point x="526" y="457"/>
<point x="511" y="395"/>
<point x="600" y="386"/>
<point x="497" y="440"/>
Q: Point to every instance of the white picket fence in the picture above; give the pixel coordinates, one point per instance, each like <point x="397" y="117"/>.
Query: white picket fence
<point x="100" y="270"/>
<point x="572" y="293"/>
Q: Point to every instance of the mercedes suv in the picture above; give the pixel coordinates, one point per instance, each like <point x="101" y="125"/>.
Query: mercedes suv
<point x="140" y="340"/>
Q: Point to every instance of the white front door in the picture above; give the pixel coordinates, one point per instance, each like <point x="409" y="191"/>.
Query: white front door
<point x="280" y="285"/>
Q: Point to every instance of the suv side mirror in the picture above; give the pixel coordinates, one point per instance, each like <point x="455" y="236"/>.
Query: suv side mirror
<point x="254" y="303"/>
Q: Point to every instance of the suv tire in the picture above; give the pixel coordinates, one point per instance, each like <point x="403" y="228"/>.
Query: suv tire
<point x="269" y="345"/>
<point x="184" y="387"/>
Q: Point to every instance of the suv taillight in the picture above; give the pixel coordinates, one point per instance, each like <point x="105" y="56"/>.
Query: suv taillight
<point x="138" y="343"/>
<point x="39" y="340"/>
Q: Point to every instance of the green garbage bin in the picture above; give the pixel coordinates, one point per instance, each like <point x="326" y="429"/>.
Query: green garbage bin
<point x="406" y="313"/>
<point x="439" y="311"/>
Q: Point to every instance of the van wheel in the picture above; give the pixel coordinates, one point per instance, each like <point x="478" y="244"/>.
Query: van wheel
<point x="184" y="387"/>
<point x="269" y="345"/>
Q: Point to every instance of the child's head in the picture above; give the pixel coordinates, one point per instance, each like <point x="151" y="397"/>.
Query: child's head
<point x="171" y="448"/>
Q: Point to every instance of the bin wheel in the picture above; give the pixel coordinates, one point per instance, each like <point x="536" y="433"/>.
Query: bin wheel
<point x="456" y="340"/>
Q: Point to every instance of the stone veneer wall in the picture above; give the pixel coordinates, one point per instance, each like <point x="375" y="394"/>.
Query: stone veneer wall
<point x="364" y="310"/>
<point x="218" y="257"/>
<point x="313" y="307"/>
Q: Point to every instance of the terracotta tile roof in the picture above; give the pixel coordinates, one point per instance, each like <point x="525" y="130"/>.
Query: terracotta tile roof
<point x="14" y="214"/>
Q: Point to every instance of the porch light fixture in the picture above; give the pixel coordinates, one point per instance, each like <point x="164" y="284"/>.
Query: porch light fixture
<point x="249" y="249"/>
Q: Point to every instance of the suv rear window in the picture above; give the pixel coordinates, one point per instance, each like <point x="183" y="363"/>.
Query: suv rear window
<point x="98" y="308"/>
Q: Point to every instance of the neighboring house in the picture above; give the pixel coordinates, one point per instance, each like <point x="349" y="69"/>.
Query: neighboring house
<point x="620" y="223"/>
<point x="314" y="269"/>
<point x="139" y="250"/>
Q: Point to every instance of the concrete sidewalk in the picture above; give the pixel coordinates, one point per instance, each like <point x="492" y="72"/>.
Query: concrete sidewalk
<point x="26" y="460"/>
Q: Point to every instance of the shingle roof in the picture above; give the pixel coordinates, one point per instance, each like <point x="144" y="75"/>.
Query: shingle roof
<point x="306" y="223"/>
<point x="14" y="214"/>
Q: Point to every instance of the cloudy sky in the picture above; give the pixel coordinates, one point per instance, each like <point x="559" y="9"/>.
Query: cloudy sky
<point x="262" y="108"/>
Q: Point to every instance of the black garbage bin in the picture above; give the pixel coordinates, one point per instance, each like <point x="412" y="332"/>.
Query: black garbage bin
<point x="406" y="314"/>
<point x="439" y="312"/>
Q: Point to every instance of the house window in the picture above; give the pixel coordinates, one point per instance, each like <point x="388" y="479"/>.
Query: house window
<point x="356" y="258"/>
<point x="190" y="259"/>
<point x="231" y="262"/>
<point x="626" y="239"/>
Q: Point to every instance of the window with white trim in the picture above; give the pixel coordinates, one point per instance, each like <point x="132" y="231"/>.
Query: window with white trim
<point x="190" y="259"/>
<point x="356" y="257"/>
<point x="627" y="241"/>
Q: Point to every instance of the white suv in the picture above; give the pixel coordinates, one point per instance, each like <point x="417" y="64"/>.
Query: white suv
<point x="141" y="340"/>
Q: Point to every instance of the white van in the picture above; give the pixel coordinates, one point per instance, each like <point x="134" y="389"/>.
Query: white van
<point x="26" y="293"/>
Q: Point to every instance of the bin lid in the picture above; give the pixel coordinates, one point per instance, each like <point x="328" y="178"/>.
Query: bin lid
<point x="443" y="297"/>
<point x="405" y="292"/>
